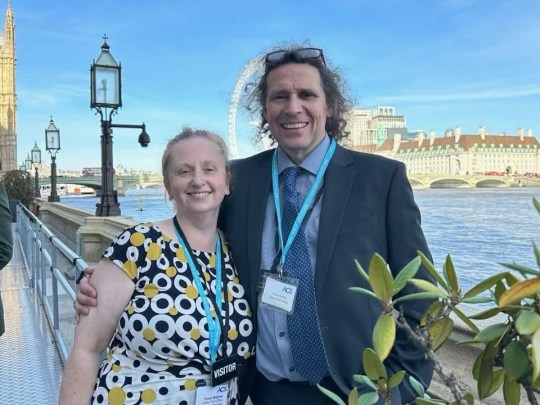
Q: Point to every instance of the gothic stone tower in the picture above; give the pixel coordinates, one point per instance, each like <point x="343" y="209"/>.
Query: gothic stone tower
<point x="8" y="98"/>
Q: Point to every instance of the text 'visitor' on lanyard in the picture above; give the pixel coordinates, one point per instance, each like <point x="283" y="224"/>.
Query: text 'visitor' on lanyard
<point x="284" y="248"/>
<point x="214" y="325"/>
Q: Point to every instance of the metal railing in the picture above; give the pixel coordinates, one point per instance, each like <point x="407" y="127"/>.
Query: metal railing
<point x="50" y="264"/>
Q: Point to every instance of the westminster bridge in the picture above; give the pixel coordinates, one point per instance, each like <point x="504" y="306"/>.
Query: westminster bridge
<point x="121" y="183"/>
<point x="124" y="183"/>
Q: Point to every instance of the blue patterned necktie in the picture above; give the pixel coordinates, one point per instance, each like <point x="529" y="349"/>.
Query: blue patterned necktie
<point x="304" y="331"/>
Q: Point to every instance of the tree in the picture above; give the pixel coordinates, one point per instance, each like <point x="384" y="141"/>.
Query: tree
<point x="18" y="186"/>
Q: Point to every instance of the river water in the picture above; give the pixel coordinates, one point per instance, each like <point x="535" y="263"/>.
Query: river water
<point x="479" y="228"/>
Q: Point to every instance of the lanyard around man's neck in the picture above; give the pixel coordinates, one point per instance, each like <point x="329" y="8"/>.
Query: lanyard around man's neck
<point x="284" y="248"/>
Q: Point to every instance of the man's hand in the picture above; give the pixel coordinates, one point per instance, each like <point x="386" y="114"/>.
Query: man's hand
<point x="86" y="296"/>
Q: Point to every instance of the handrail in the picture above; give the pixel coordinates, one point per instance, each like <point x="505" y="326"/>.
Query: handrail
<point x="44" y="254"/>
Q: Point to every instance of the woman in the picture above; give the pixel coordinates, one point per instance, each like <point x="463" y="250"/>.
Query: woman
<point x="169" y="297"/>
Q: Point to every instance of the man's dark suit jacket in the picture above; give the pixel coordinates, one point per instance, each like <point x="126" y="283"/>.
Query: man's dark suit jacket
<point x="367" y="208"/>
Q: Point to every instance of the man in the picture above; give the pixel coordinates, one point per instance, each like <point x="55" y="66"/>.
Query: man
<point x="351" y="205"/>
<point x="6" y="242"/>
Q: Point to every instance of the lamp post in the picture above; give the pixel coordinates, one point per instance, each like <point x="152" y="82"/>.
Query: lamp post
<point x="52" y="144"/>
<point x="106" y="93"/>
<point x="36" y="160"/>
<point x="22" y="167"/>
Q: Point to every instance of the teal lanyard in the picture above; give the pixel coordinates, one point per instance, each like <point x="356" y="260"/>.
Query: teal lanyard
<point x="305" y="206"/>
<point x="214" y="325"/>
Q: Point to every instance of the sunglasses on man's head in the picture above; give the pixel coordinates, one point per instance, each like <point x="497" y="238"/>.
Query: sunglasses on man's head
<point x="301" y="54"/>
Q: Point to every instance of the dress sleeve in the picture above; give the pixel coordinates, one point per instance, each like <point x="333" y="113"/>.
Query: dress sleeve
<point x="129" y="249"/>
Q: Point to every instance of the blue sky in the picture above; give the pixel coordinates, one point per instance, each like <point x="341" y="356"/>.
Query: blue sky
<point x="441" y="63"/>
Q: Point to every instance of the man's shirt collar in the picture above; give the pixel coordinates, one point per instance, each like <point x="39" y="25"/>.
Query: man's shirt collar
<point x="311" y="163"/>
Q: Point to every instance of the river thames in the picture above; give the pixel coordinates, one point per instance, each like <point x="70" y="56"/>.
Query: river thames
<point x="479" y="228"/>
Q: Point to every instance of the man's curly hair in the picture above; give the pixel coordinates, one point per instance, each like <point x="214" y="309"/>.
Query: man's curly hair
<point x="331" y="83"/>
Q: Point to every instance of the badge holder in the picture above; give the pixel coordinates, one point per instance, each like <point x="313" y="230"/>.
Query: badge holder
<point x="278" y="292"/>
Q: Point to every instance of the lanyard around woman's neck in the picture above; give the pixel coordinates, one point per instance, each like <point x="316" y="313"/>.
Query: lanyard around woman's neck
<point x="214" y="325"/>
<point x="284" y="248"/>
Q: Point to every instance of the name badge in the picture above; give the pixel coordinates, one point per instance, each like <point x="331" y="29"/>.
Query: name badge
<point x="224" y="370"/>
<point x="217" y="395"/>
<point x="279" y="293"/>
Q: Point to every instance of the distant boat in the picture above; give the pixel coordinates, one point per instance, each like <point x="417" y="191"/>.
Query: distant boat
<point x="67" y="190"/>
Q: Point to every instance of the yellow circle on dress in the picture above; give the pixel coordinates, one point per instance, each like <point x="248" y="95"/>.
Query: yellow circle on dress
<point x="148" y="396"/>
<point x="136" y="239"/>
<point x="181" y="255"/>
<point x="149" y="334"/>
<point x="130" y="268"/>
<point x="195" y="333"/>
<point x="116" y="368"/>
<point x="151" y="290"/>
<point x="233" y="334"/>
<point x="212" y="260"/>
<point x="173" y="311"/>
<point x="117" y="396"/>
<point x="192" y="292"/>
<point x="190" y="384"/>
<point x="154" y="251"/>
<point x="171" y="271"/>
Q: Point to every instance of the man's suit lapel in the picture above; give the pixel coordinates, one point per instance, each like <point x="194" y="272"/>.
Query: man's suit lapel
<point x="260" y="183"/>
<point x="338" y="183"/>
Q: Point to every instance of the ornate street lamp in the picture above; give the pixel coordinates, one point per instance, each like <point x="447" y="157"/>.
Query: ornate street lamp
<point x="22" y="167"/>
<point x="106" y="93"/>
<point x="36" y="160"/>
<point x="52" y="144"/>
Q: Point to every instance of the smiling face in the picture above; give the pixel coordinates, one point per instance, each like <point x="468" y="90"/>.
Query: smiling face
<point x="197" y="178"/>
<point x="296" y="109"/>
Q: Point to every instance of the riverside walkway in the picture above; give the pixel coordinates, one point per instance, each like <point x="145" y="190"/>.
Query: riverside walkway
<point x="30" y="365"/>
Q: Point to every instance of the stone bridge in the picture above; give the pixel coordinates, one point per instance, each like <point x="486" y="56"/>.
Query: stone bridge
<point x="463" y="181"/>
<point x="121" y="183"/>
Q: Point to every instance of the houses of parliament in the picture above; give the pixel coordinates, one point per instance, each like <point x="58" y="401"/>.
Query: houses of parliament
<point x="8" y="99"/>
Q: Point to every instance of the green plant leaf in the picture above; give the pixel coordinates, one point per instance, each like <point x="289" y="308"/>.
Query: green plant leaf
<point x="361" y="270"/>
<point x="488" y="313"/>
<point x="491" y="333"/>
<point x="380" y="278"/>
<point x="353" y="397"/>
<point x="450" y="274"/>
<point x="500" y="288"/>
<point x="417" y="386"/>
<point x="384" y="336"/>
<point x="484" y="285"/>
<point x="481" y="299"/>
<point x="364" y="291"/>
<point x="485" y="377"/>
<point x="427" y="286"/>
<point x="536" y="204"/>
<point x="417" y="296"/>
<point x="440" y="331"/>
<point x="516" y="360"/>
<point x="431" y="312"/>
<point x="536" y="254"/>
<point x="331" y="395"/>
<point x="432" y="270"/>
<point x="364" y="379"/>
<point x="527" y="322"/>
<point x="396" y="379"/>
<point x="466" y="320"/>
<point x="511" y="279"/>
<point x="369" y="398"/>
<point x="373" y="367"/>
<point x="406" y="273"/>
<point x="517" y="292"/>
<point x="521" y="269"/>
<point x="511" y="392"/>
<point x="496" y="381"/>
<point x="535" y="354"/>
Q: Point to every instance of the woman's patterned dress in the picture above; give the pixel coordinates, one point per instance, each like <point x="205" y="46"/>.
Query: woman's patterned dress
<point x="160" y="348"/>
